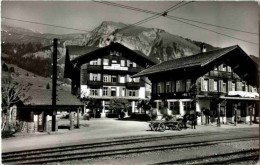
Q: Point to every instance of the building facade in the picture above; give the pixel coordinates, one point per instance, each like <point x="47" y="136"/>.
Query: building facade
<point x="222" y="81"/>
<point x="105" y="73"/>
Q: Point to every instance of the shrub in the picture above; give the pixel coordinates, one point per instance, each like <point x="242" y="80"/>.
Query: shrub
<point x="48" y="86"/>
<point x="11" y="69"/>
<point x="4" y="67"/>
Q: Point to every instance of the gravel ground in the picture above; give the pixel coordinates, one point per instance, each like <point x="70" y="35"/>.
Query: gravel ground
<point x="170" y="155"/>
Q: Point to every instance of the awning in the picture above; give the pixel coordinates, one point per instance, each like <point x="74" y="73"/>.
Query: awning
<point x="243" y="94"/>
<point x="239" y="98"/>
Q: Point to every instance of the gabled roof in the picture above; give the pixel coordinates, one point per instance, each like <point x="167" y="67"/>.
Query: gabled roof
<point x="89" y="53"/>
<point x="200" y="59"/>
<point x="255" y="59"/>
<point x="81" y="50"/>
<point x="44" y="97"/>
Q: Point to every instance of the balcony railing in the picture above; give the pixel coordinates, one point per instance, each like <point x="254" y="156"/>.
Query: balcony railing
<point x="94" y="67"/>
<point x="134" y="70"/>
<point x="133" y="85"/>
<point x="95" y="83"/>
<point x="220" y="74"/>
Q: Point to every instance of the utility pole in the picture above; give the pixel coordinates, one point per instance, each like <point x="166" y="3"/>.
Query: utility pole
<point x="54" y="82"/>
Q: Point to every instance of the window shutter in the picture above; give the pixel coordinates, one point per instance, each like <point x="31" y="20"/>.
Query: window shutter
<point x="246" y="86"/>
<point x="202" y="84"/>
<point x="221" y="86"/>
<point x="126" y="93"/>
<point x="228" y="68"/>
<point x="127" y="78"/>
<point x="250" y="88"/>
<point x="91" y="76"/>
<point x="98" y="92"/>
<point x="122" y="62"/>
<point x="211" y="85"/>
<point x="220" y="67"/>
<point x="99" y="77"/>
<point x="173" y="86"/>
<point x="239" y="86"/>
<point x="91" y="62"/>
<point x="229" y="86"/>
<point x="163" y="87"/>
<point x="108" y="91"/>
<point x="136" y="93"/>
<point x="99" y="61"/>
<point x="128" y="62"/>
<point x="134" y="64"/>
<point x="120" y="91"/>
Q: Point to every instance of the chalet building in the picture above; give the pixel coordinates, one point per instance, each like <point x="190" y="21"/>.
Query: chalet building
<point x="221" y="81"/>
<point x="105" y="73"/>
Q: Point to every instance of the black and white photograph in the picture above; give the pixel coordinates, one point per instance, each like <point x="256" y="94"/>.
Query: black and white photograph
<point x="130" y="82"/>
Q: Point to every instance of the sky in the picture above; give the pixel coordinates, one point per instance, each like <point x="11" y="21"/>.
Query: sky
<point x="88" y="15"/>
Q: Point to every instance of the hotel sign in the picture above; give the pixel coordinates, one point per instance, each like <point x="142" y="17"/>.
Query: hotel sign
<point x="116" y="67"/>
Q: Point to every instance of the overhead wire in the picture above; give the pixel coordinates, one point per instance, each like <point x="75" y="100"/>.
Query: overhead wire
<point x="171" y="17"/>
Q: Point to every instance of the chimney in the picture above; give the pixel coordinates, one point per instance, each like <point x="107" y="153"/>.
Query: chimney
<point x="203" y="48"/>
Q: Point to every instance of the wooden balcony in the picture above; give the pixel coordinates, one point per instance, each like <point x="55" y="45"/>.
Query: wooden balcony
<point x="135" y="85"/>
<point x="134" y="70"/>
<point x="94" y="67"/>
<point x="95" y="83"/>
<point x="220" y="74"/>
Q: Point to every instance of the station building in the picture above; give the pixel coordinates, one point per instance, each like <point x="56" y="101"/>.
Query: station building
<point x="105" y="73"/>
<point x="222" y="81"/>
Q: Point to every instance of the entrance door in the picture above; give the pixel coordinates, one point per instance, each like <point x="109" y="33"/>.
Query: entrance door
<point x="229" y="109"/>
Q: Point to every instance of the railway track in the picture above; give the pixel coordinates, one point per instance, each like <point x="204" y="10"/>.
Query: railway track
<point x="108" y="143"/>
<point x="50" y="156"/>
<point x="227" y="158"/>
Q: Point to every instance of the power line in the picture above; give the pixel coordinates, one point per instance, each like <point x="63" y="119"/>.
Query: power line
<point x="152" y="12"/>
<point x="39" y="23"/>
<point x="151" y="18"/>
<point x="214" y="31"/>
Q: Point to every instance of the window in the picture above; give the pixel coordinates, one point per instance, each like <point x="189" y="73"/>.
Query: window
<point x="160" y="106"/>
<point x="188" y="106"/>
<point x="174" y="107"/>
<point x="93" y="62"/>
<point x="105" y="62"/>
<point x="105" y="78"/>
<point x="233" y="86"/>
<point x="93" y="92"/>
<point x="159" y="88"/>
<point x="122" y="63"/>
<point x="132" y="93"/>
<point x="105" y="91"/>
<point x="95" y="77"/>
<point x="114" y="61"/>
<point x="137" y="79"/>
<point x="215" y="87"/>
<point x="130" y="64"/>
<point x="131" y="79"/>
<point x="224" y="68"/>
<point x="114" y="79"/>
<point x="205" y="85"/>
<point x="243" y="87"/>
<point x="113" y="91"/>
<point x="224" y="87"/>
<point x="188" y="85"/>
<point x="180" y="86"/>
<point x="216" y="68"/>
<point x="122" y="79"/>
<point x="123" y="92"/>
<point x="168" y="87"/>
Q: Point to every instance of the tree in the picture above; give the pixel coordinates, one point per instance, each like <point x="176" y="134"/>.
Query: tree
<point x="119" y="105"/>
<point x="94" y="105"/>
<point x="4" y="67"/>
<point x="146" y="105"/>
<point x="12" y="93"/>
